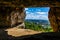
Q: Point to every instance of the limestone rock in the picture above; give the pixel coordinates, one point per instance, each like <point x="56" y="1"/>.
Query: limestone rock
<point x="10" y="17"/>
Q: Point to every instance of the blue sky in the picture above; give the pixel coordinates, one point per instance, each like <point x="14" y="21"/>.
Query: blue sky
<point x="40" y="13"/>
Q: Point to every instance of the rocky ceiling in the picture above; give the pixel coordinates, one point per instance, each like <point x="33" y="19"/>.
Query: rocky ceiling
<point x="27" y="3"/>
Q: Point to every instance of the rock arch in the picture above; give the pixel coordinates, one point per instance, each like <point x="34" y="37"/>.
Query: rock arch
<point x="54" y="16"/>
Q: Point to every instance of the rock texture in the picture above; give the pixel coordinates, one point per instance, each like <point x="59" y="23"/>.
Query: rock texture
<point x="54" y="16"/>
<point x="10" y="16"/>
<point x="17" y="17"/>
<point x="20" y="32"/>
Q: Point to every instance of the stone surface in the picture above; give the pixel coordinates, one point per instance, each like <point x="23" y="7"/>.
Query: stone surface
<point x="54" y="16"/>
<point x="20" y="32"/>
<point x="11" y="17"/>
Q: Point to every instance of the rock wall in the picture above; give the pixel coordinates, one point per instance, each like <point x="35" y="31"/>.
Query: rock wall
<point x="11" y="17"/>
<point x="17" y="17"/>
<point x="54" y="18"/>
<point x="4" y="16"/>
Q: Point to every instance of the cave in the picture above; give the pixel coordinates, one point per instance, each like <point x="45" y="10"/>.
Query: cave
<point x="54" y="16"/>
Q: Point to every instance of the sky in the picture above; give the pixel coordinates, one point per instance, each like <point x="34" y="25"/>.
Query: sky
<point x="38" y="13"/>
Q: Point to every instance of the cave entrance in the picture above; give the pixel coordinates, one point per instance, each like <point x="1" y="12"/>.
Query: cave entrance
<point x="37" y="19"/>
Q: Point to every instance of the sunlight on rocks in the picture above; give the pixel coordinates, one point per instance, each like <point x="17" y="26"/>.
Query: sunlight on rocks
<point x="20" y="32"/>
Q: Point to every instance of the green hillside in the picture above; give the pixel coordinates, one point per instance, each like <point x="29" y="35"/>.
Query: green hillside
<point x="37" y="27"/>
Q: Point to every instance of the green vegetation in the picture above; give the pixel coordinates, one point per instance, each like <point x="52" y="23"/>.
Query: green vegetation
<point x="37" y="27"/>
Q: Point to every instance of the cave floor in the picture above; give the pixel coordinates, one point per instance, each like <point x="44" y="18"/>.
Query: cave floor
<point x="20" y="32"/>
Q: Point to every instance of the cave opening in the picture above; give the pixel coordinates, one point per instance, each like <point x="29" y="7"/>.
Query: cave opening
<point x="37" y="19"/>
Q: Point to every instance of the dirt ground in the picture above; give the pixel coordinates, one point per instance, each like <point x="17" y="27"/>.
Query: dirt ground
<point x="20" y="32"/>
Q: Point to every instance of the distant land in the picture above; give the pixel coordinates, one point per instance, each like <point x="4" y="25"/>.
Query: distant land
<point x="43" y="22"/>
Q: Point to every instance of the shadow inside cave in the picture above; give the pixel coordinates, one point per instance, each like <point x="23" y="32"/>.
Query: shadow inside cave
<point x="39" y="36"/>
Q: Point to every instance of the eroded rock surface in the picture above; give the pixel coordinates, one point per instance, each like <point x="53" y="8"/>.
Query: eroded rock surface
<point x="10" y="20"/>
<point x="54" y="18"/>
<point x="20" y="32"/>
<point x="11" y="17"/>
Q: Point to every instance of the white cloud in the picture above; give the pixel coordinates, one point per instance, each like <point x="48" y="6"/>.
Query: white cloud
<point x="35" y="16"/>
<point x="26" y="8"/>
<point x="41" y="12"/>
<point x="27" y="12"/>
<point x="43" y="17"/>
